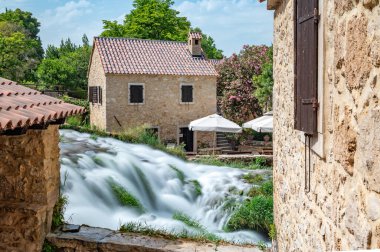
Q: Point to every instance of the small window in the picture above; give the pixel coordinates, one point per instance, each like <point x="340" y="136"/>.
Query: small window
<point x="196" y="41"/>
<point x="136" y="93"/>
<point x="186" y="93"/>
<point x="95" y="94"/>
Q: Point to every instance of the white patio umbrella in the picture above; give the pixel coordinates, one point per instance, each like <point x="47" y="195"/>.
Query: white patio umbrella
<point x="214" y="123"/>
<point x="261" y="124"/>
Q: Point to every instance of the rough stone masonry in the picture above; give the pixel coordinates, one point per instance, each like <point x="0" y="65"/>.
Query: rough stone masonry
<point x="29" y="188"/>
<point x="342" y="211"/>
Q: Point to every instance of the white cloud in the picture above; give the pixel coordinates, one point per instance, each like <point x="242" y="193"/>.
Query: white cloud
<point x="232" y="23"/>
<point x="66" y="13"/>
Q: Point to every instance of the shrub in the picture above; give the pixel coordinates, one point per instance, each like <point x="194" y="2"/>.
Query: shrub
<point x="253" y="178"/>
<point x="256" y="214"/>
<point x="265" y="189"/>
<point x="75" y="121"/>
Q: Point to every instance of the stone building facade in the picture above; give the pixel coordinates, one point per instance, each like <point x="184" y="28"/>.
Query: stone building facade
<point x="161" y="68"/>
<point x="342" y="209"/>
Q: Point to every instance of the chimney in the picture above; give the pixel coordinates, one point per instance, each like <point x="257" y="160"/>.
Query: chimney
<point x="195" y="44"/>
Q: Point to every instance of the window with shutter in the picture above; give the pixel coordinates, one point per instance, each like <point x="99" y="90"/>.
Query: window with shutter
<point x="136" y="94"/>
<point x="95" y="94"/>
<point x="186" y="93"/>
<point x="306" y="65"/>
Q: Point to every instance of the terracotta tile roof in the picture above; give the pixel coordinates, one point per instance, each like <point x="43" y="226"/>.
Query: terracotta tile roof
<point x="138" y="56"/>
<point x="216" y="62"/>
<point x="23" y="107"/>
<point x="195" y="35"/>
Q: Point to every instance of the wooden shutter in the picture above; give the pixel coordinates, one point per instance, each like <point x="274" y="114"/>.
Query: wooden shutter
<point x="187" y="93"/>
<point x="100" y="95"/>
<point x="90" y="96"/>
<point x="306" y="66"/>
<point x="136" y="94"/>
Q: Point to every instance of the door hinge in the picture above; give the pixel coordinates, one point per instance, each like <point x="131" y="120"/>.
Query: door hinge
<point x="313" y="101"/>
<point x="316" y="16"/>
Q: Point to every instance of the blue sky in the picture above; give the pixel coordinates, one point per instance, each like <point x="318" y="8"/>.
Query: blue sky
<point x="232" y="23"/>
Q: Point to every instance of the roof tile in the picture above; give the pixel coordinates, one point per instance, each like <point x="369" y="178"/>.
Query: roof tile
<point x="139" y="56"/>
<point x="22" y="107"/>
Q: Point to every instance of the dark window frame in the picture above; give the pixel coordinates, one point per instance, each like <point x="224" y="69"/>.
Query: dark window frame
<point x="95" y="94"/>
<point x="136" y="100"/>
<point x="183" y="97"/>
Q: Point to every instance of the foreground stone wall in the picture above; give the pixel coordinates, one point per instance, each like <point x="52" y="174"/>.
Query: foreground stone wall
<point x="29" y="188"/>
<point x="342" y="211"/>
<point x="162" y="107"/>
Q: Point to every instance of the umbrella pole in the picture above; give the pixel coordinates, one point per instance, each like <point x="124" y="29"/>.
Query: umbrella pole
<point x="213" y="150"/>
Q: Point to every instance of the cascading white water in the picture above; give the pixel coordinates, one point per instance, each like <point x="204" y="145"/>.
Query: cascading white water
<point x="163" y="184"/>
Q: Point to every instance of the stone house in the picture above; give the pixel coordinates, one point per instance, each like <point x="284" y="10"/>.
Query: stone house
<point x="29" y="167"/>
<point x="163" y="84"/>
<point x="326" y="124"/>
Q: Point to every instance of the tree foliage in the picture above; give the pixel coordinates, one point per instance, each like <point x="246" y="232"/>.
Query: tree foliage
<point x="150" y="19"/>
<point x="234" y="84"/>
<point x="66" y="65"/>
<point x="20" y="47"/>
<point x="209" y="47"/>
<point x="155" y="19"/>
<point x="264" y="83"/>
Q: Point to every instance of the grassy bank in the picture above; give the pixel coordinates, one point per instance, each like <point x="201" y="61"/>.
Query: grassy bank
<point x="254" y="164"/>
<point x="136" y="135"/>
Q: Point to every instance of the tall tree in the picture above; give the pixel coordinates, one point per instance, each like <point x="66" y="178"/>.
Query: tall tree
<point x="21" y="48"/>
<point x="209" y="47"/>
<point x="66" y="65"/>
<point x="150" y="19"/>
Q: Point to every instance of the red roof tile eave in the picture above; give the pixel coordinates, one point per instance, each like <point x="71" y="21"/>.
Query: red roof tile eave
<point x="22" y="107"/>
<point x="153" y="74"/>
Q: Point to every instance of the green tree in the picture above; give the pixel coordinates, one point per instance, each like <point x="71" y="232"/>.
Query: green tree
<point x="21" y="48"/>
<point x="66" y="65"/>
<point x="17" y="52"/>
<point x="150" y="19"/>
<point x="264" y="83"/>
<point x="209" y="47"/>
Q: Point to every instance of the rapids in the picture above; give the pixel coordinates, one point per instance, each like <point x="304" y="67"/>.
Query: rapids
<point x="163" y="185"/>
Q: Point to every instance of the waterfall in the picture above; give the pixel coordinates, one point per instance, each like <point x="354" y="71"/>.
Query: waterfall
<point x="109" y="183"/>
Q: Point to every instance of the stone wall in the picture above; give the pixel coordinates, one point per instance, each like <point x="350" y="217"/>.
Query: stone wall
<point x="96" y="77"/>
<point x="29" y="188"/>
<point x="342" y="211"/>
<point x="162" y="107"/>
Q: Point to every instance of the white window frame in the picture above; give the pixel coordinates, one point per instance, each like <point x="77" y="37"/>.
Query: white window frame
<point x="317" y="143"/>
<point x="180" y="93"/>
<point x="129" y="93"/>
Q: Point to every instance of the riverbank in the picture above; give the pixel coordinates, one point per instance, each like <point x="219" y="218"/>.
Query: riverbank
<point x="101" y="239"/>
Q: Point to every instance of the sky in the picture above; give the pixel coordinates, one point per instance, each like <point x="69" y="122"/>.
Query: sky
<point x="232" y="23"/>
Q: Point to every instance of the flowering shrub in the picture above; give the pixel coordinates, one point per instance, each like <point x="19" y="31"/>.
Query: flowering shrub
<point x="235" y="87"/>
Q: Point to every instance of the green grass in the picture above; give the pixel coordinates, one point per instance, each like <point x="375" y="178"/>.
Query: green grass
<point x="265" y="189"/>
<point x="180" y="174"/>
<point x="253" y="178"/>
<point x="256" y="214"/>
<point x="197" y="187"/>
<point x="201" y="236"/>
<point x="48" y="247"/>
<point x="257" y="163"/>
<point x="58" y="212"/>
<point x="187" y="220"/>
<point x="124" y="197"/>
